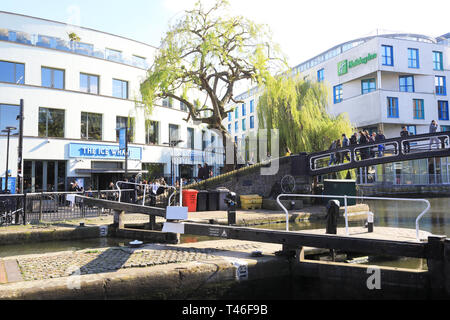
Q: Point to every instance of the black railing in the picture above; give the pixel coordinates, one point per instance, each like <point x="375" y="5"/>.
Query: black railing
<point x="363" y="155"/>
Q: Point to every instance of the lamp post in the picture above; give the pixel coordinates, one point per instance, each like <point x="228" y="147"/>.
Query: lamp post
<point x="172" y="144"/>
<point x="8" y="131"/>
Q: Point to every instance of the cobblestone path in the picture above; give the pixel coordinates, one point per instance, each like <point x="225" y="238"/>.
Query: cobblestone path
<point x="112" y="259"/>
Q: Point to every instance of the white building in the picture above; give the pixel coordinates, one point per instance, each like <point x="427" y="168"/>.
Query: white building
<point x="385" y="82"/>
<point x="76" y="93"/>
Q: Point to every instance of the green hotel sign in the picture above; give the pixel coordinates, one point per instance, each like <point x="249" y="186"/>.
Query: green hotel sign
<point x="345" y="65"/>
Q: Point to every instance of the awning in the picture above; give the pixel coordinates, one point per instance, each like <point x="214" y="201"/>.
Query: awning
<point x="91" y="171"/>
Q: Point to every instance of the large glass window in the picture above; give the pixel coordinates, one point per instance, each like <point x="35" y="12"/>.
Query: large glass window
<point x="89" y="83"/>
<point x="51" y="123"/>
<point x="418" y="110"/>
<point x="406" y="83"/>
<point x="183" y="106"/>
<point x="120" y="89"/>
<point x="229" y="116"/>
<point x="367" y="86"/>
<point x="12" y="72"/>
<point x="236" y="113"/>
<point x="174" y="134"/>
<point x="8" y="117"/>
<point x="438" y="64"/>
<point x="151" y="132"/>
<point x="236" y="127"/>
<point x="113" y="55"/>
<point x="387" y="55"/>
<point x="122" y="122"/>
<point x="320" y="75"/>
<point x="244" y="126"/>
<point x="167" y="102"/>
<point x="337" y="93"/>
<point x="392" y="107"/>
<point x="91" y="126"/>
<point x="229" y="127"/>
<point x="244" y="109"/>
<point x="190" y="138"/>
<point x="52" y="78"/>
<point x="252" y="106"/>
<point x="413" y="58"/>
<point x="443" y="110"/>
<point x="439" y="82"/>
<point x="252" y="122"/>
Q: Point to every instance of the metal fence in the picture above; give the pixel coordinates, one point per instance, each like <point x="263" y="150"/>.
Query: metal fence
<point x="51" y="206"/>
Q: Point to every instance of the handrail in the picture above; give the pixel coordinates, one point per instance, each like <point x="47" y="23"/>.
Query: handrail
<point x="134" y="183"/>
<point x="419" y="217"/>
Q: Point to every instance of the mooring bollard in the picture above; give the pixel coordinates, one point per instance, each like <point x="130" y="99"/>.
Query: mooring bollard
<point x="370" y="222"/>
<point x="230" y="200"/>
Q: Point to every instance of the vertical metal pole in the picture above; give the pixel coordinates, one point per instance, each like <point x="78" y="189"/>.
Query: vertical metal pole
<point x="181" y="192"/>
<point x="20" y="150"/>
<point x="126" y="149"/>
<point x="346" y="215"/>
<point x="7" y="160"/>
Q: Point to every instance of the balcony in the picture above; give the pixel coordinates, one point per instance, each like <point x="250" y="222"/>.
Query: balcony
<point x="76" y="47"/>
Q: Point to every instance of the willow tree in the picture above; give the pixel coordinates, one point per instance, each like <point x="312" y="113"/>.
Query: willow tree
<point x="298" y="109"/>
<point x="203" y="57"/>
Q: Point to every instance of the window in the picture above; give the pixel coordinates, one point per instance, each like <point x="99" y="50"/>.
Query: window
<point x="439" y="82"/>
<point x="229" y="127"/>
<point x="8" y="117"/>
<point x="437" y="61"/>
<point x="252" y="122"/>
<point x="190" y="138"/>
<point x="387" y="57"/>
<point x="413" y="58"/>
<point x="84" y="48"/>
<point x="89" y="83"/>
<point x="229" y="116"/>
<point x="244" y="127"/>
<point x="411" y="130"/>
<point x="167" y="102"/>
<point x="406" y="83"/>
<point x="174" y="133"/>
<point x="91" y="126"/>
<point x="213" y="142"/>
<point x="203" y="140"/>
<point x="151" y="132"/>
<point x="443" y="110"/>
<point x="183" y="106"/>
<point x="139" y="61"/>
<point x="252" y="106"/>
<point x="52" y="78"/>
<point x="320" y="76"/>
<point x="235" y="139"/>
<point x="236" y="127"/>
<point x="337" y="93"/>
<point x="367" y="86"/>
<point x="113" y="55"/>
<point x="51" y="123"/>
<point x="244" y="111"/>
<point x="122" y="122"/>
<point x="392" y="107"/>
<point x="418" y="110"/>
<point x="120" y="89"/>
<point x="236" y="112"/>
<point x="445" y="128"/>
<point x="12" y="72"/>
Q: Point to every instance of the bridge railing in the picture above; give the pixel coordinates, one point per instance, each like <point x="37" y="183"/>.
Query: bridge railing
<point x="346" y="215"/>
<point x="389" y="150"/>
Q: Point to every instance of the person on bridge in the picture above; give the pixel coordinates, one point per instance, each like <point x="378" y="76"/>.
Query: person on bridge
<point x="380" y="137"/>
<point x="339" y="156"/>
<point x="433" y="129"/>
<point x="404" y="134"/>
<point x="363" y="139"/>
<point x="332" y="156"/>
<point x="345" y="143"/>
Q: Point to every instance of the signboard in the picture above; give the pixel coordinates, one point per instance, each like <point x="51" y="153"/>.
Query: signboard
<point x="344" y="66"/>
<point x="11" y="184"/>
<point x="101" y="151"/>
<point x="122" y="138"/>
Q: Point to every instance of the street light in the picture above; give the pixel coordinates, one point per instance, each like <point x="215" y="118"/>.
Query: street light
<point x="172" y="144"/>
<point x="7" y="130"/>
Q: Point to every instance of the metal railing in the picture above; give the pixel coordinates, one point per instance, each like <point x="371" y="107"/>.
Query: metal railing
<point x="419" y="217"/>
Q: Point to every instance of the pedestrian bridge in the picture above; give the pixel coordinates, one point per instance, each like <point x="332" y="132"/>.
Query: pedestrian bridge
<point x="370" y="154"/>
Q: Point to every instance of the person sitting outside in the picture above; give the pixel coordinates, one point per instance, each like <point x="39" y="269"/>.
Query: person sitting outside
<point x="404" y="134"/>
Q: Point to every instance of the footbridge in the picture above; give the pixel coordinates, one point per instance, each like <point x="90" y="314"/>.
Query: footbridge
<point x="370" y="154"/>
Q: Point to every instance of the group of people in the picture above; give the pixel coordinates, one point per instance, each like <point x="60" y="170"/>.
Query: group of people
<point x="204" y="172"/>
<point x="364" y="138"/>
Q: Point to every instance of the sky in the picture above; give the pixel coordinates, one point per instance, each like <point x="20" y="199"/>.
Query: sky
<point x="303" y="29"/>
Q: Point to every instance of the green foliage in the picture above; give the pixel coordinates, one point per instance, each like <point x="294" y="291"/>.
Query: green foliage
<point x="208" y="52"/>
<point x="297" y="108"/>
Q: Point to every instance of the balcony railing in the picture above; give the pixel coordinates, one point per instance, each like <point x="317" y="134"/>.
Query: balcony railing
<point x="90" y="50"/>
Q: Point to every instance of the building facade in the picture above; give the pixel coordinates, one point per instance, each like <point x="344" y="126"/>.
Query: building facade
<point x="76" y="94"/>
<point x="383" y="83"/>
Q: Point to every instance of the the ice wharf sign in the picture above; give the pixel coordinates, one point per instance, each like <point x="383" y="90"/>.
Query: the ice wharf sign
<point x="345" y="65"/>
<point x="101" y="151"/>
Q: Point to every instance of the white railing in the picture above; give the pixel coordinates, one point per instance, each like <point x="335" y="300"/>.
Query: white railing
<point x="427" y="203"/>
<point x="150" y="186"/>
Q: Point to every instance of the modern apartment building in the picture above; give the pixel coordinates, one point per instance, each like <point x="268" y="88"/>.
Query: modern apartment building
<point x="76" y="94"/>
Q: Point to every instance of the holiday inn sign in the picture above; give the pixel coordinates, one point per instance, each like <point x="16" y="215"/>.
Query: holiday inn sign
<point x="345" y="65"/>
